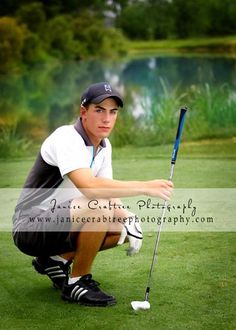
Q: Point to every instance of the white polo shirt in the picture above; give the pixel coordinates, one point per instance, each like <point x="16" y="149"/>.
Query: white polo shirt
<point x="68" y="148"/>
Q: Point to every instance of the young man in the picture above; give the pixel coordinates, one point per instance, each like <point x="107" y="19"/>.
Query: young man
<point x="68" y="212"/>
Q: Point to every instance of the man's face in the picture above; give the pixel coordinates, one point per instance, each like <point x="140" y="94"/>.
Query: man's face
<point x="99" y="119"/>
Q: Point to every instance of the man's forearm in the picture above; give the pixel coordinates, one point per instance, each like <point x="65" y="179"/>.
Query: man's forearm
<point x="98" y="187"/>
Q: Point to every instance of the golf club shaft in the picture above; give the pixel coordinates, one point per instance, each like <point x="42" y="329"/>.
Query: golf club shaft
<point x="173" y="160"/>
<point x="154" y="258"/>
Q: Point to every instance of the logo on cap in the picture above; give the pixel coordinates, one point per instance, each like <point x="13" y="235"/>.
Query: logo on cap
<point x="108" y="88"/>
<point x="83" y="101"/>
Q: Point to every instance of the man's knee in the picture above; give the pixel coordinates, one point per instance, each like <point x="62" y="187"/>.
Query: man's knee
<point x="96" y="214"/>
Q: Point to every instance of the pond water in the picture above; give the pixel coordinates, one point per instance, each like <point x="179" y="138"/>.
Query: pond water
<point x="49" y="92"/>
<point x="180" y="70"/>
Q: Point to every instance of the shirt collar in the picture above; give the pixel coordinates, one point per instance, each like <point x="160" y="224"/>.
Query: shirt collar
<point x="80" y="129"/>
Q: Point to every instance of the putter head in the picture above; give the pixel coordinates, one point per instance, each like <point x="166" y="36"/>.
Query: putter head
<point x="140" y="305"/>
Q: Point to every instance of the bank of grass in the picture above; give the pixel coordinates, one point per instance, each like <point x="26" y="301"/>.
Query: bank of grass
<point x="193" y="283"/>
<point x="225" y="45"/>
<point x="201" y="164"/>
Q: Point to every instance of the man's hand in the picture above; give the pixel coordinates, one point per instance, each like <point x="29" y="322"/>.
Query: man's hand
<point x="133" y="231"/>
<point x="159" y="188"/>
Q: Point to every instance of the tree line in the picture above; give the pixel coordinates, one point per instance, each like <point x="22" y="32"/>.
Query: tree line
<point x="37" y="30"/>
<point x="165" y="19"/>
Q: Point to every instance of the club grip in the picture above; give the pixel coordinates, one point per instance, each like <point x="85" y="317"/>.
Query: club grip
<point x="183" y="111"/>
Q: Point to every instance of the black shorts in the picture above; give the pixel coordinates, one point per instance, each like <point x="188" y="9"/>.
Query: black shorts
<point x="38" y="232"/>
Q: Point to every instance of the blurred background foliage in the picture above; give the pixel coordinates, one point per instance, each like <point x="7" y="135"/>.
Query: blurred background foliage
<point x="33" y="31"/>
<point x="50" y="50"/>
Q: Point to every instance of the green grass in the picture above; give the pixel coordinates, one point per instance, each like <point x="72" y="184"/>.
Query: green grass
<point x="192" y="288"/>
<point x="225" y="45"/>
<point x="194" y="281"/>
<point x="207" y="164"/>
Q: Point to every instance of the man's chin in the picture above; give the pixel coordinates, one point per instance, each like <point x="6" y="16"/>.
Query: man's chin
<point x="104" y="135"/>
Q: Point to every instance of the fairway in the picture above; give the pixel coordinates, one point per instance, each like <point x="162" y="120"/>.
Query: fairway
<point x="194" y="281"/>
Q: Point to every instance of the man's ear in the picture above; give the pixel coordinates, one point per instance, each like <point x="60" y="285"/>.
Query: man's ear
<point x="83" y="111"/>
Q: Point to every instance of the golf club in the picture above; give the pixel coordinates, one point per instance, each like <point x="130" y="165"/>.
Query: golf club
<point x="144" y="305"/>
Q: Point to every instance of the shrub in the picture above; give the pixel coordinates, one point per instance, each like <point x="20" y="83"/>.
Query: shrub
<point x="59" y="37"/>
<point x="114" y="43"/>
<point x="33" y="16"/>
<point x="11" y="145"/>
<point x="213" y="111"/>
<point x="135" y="22"/>
<point x="96" y="40"/>
<point x="11" y="43"/>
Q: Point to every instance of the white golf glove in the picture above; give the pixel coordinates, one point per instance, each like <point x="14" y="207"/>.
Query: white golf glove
<point x="133" y="231"/>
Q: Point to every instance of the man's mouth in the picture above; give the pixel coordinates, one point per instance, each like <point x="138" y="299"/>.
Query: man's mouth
<point x="104" y="128"/>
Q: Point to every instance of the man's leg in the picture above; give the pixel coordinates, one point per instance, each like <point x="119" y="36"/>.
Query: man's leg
<point x="110" y="240"/>
<point x="89" y="243"/>
<point x="92" y="237"/>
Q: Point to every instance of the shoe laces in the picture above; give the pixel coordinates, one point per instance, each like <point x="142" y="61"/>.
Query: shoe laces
<point x="87" y="279"/>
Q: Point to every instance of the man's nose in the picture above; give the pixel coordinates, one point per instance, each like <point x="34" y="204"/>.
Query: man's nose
<point x="106" y="118"/>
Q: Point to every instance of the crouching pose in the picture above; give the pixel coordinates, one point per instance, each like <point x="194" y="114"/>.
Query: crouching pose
<point x="69" y="209"/>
